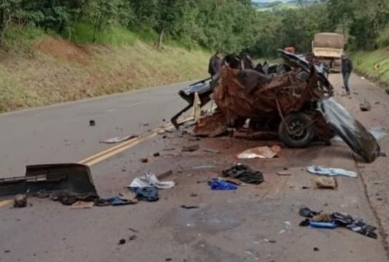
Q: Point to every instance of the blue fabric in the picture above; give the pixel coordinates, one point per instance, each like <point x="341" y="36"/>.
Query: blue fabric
<point x="116" y="201"/>
<point x="217" y="184"/>
<point x="149" y="194"/>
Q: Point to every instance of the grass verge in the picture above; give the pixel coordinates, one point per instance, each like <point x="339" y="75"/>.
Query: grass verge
<point x="374" y="65"/>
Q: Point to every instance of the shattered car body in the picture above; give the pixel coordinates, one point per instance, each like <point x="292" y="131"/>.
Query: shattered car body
<point x="285" y="105"/>
<point x="71" y="178"/>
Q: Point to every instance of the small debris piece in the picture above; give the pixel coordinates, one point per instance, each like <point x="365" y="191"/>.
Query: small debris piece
<point x="260" y="152"/>
<point x="133" y="230"/>
<point x="168" y="259"/>
<point x="189" y="207"/>
<point x="377" y="103"/>
<point x="326" y="182"/>
<point x="270" y="241"/>
<point x="124" y="169"/>
<point x="233" y="181"/>
<point x="161" y="132"/>
<point x="211" y="151"/>
<point x="169" y="149"/>
<point x="144" y="160"/>
<point x="157" y="154"/>
<point x="82" y="205"/>
<point x="316" y="249"/>
<point x="305" y="187"/>
<point x="92" y="123"/>
<point x="122" y="242"/>
<point x="7" y="251"/>
<point x="191" y="148"/>
<point x="284" y="173"/>
<point x="118" y="139"/>
<point x="193" y="195"/>
<point x="146" y="124"/>
<point x="365" y="106"/>
<point x="132" y="238"/>
<point x="387" y="91"/>
<point x="20" y="201"/>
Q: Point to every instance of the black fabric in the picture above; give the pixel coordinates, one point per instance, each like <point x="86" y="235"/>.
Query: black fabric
<point x="244" y="174"/>
<point x="69" y="199"/>
<point x="341" y="220"/>
<point x="347" y="65"/>
<point x="214" y="65"/>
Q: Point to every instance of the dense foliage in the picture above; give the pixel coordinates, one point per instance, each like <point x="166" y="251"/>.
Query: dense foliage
<point x="229" y="25"/>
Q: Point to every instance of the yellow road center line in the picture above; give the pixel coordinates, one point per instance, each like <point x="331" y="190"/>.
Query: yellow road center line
<point x="95" y="159"/>
<point x="4" y="203"/>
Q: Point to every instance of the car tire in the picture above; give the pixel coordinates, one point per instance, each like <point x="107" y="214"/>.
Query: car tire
<point x="301" y="123"/>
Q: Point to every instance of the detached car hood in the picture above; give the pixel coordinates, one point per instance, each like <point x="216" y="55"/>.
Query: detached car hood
<point x="353" y="133"/>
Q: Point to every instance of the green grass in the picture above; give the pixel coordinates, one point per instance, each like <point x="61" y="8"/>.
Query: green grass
<point x="115" y="35"/>
<point x="120" y="60"/>
<point x="374" y="65"/>
<point x="21" y="39"/>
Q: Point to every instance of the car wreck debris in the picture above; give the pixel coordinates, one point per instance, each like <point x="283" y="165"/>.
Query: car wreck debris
<point x="260" y="152"/>
<point x="20" y="201"/>
<point x="294" y="103"/>
<point x="335" y="220"/>
<point x="365" y="106"/>
<point x="150" y="180"/>
<point x="191" y="148"/>
<point x="92" y="123"/>
<point x="245" y="174"/>
<point x="75" y="179"/>
<point x="118" y="139"/>
<point x="326" y="182"/>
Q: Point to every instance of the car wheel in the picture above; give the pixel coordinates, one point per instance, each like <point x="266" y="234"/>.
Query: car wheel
<point x="301" y="130"/>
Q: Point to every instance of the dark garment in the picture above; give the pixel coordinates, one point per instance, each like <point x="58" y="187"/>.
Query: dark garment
<point x="214" y="65"/>
<point x="346" y="77"/>
<point x="347" y="65"/>
<point x="244" y="174"/>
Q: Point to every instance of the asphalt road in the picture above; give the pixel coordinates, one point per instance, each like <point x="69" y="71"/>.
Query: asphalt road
<point x="61" y="133"/>
<point x="254" y="223"/>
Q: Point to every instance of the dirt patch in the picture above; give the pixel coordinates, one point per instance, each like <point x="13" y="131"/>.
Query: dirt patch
<point x="67" y="50"/>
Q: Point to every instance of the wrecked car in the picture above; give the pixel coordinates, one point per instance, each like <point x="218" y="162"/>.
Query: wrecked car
<point x="285" y="105"/>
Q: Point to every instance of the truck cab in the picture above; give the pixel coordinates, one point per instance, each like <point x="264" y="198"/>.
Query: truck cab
<point x="328" y="48"/>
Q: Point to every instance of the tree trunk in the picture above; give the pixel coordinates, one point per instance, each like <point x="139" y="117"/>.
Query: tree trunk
<point x="160" y="38"/>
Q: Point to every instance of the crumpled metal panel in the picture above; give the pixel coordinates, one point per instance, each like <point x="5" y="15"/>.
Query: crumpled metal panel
<point x="353" y="133"/>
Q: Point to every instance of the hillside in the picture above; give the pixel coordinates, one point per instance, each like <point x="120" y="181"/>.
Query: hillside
<point x="39" y="69"/>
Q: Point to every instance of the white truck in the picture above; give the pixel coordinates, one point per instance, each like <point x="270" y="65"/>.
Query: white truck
<point x="328" y="48"/>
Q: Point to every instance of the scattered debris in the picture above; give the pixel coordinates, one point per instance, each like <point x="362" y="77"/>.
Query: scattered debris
<point x="193" y="195"/>
<point x="133" y="230"/>
<point x="82" y="205"/>
<point x="118" y="139"/>
<point x="132" y="238"/>
<point x="270" y="241"/>
<point x="157" y="154"/>
<point x="387" y="91"/>
<point x="74" y="178"/>
<point x="284" y="173"/>
<point x="149" y="194"/>
<point x="234" y="181"/>
<point x="150" y="180"/>
<point x="260" y="152"/>
<point x="305" y="187"/>
<point x="146" y="124"/>
<point x="335" y="220"/>
<point x="169" y="259"/>
<point x="191" y="148"/>
<point x="365" y="106"/>
<point x="218" y="184"/>
<point x="377" y="103"/>
<point x="122" y="242"/>
<point x="144" y="160"/>
<point x="118" y="201"/>
<point x="92" y="123"/>
<point x="326" y="171"/>
<point x="326" y="182"/>
<point x="211" y="151"/>
<point x="20" y="201"/>
<point x="245" y="174"/>
<point x="316" y="249"/>
<point x="169" y="149"/>
<point x="189" y="207"/>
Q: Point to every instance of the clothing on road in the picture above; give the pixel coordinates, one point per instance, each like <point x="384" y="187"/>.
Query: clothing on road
<point x="347" y="68"/>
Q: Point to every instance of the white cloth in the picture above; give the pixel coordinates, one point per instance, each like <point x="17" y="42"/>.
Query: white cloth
<point x="327" y="171"/>
<point x="151" y="180"/>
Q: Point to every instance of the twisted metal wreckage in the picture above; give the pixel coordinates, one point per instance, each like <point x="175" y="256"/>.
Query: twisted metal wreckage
<point x="292" y="101"/>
